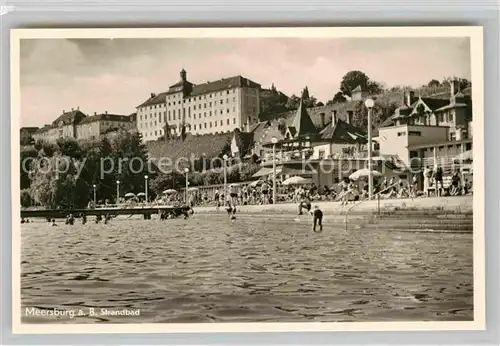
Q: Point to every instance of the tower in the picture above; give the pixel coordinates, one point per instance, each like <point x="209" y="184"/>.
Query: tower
<point x="183" y="75"/>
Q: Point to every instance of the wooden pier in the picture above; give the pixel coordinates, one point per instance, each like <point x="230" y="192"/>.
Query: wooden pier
<point x="147" y="211"/>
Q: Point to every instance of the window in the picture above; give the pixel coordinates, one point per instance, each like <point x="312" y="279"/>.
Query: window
<point x="205" y="114"/>
<point x="234" y="121"/>
<point x="452" y="136"/>
<point x="215" y="123"/>
<point x="228" y="121"/>
<point x="204" y="105"/>
<point x="221" y="111"/>
<point x="195" y="126"/>
<point x="210" y="124"/>
<point x="145" y="117"/>
<point x="140" y="117"/>
<point x="401" y="134"/>
<point x="155" y="133"/>
<point x="205" y="124"/>
<point x="228" y="92"/>
<point x="234" y="99"/>
<point x="221" y="123"/>
<point x="441" y="118"/>
<point x="414" y="133"/>
<point x="160" y="118"/>
<point x="194" y="107"/>
<point x="174" y="116"/>
<point x="169" y="103"/>
<point x="210" y="114"/>
<point x="221" y="102"/>
<point x="210" y="104"/>
<point x="468" y="146"/>
<point x="321" y="154"/>
<point x="234" y="90"/>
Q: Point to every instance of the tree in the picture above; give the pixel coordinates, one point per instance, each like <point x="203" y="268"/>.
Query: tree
<point x="25" y="198"/>
<point x="337" y="98"/>
<point x="433" y="83"/>
<point x="293" y="102"/>
<point x="28" y="155"/>
<point x="62" y="187"/>
<point x="130" y="159"/>
<point x="68" y="146"/>
<point x="353" y="79"/>
<point x="164" y="181"/>
<point x="26" y="139"/>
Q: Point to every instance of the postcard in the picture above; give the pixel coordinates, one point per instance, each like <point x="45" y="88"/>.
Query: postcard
<point x="247" y="179"/>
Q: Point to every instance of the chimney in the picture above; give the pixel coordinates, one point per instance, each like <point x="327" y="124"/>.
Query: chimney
<point x="349" y="117"/>
<point x="452" y="88"/>
<point x="409" y="98"/>
<point x="77" y="108"/>
<point x="334" y="117"/>
<point x="322" y="117"/>
<point x="106" y="112"/>
<point x="63" y="111"/>
<point x="72" y="109"/>
<point x="248" y="125"/>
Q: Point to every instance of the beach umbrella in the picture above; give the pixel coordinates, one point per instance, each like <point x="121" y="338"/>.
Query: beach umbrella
<point x="255" y="183"/>
<point x="129" y="195"/>
<point x="141" y="194"/>
<point x="363" y="173"/>
<point x="192" y="189"/>
<point x="169" y="191"/>
<point x="465" y="156"/>
<point x="297" y="181"/>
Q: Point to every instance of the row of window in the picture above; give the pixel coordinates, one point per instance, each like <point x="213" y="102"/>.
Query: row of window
<point x="204" y="105"/>
<point x="173" y="117"/>
<point x="194" y="98"/>
<point x="200" y="126"/>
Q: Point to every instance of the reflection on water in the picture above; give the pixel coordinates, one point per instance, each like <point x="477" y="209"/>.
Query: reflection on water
<point x="209" y="269"/>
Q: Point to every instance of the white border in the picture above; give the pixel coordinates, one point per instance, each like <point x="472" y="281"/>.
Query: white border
<point x="475" y="33"/>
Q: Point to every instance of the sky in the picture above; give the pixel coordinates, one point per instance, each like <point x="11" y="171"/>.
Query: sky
<point x="116" y="75"/>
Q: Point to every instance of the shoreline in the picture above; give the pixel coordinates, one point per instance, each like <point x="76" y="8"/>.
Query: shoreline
<point x="459" y="204"/>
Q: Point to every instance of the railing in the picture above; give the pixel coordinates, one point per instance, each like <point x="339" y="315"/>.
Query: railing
<point x="366" y="200"/>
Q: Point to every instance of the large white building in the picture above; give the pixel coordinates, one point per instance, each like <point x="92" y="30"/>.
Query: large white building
<point x="217" y="106"/>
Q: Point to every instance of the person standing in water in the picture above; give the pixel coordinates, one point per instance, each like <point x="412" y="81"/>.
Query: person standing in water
<point x="317" y="218"/>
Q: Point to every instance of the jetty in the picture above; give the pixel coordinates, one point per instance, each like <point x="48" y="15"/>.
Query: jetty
<point x="112" y="210"/>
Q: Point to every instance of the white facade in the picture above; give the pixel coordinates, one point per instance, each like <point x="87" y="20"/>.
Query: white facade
<point x="395" y="140"/>
<point x="210" y="111"/>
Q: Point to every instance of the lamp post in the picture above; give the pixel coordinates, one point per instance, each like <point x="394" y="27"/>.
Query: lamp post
<point x="225" y="157"/>
<point x="95" y="202"/>
<point x="369" y="103"/>
<point x="146" y="187"/>
<point x="274" y="140"/>
<point x="117" y="192"/>
<point x="186" y="170"/>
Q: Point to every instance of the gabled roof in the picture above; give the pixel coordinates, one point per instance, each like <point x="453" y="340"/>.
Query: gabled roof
<point x="223" y="84"/>
<point x="107" y="117"/>
<point x="358" y="88"/>
<point x="154" y="100"/>
<point x="72" y="117"/>
<point x="343" y="132"/>
<point x="302" y="122"/>
<point x="432" y="103"/>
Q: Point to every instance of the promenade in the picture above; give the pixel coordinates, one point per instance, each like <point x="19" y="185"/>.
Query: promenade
<point x="458" y="203"/>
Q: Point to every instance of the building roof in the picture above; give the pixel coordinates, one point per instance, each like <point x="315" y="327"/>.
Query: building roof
<point x="439" y="144"/>
<point x="356" y="89"/>
<point x="154" y="100"/>
<point x="72" y="117"/>
<point x="107" y="117"/>
<point x="29" y="129"/>
<point x="343" y="132"/>
<point x="302" y="123"/>
<point x="223" y="84"/>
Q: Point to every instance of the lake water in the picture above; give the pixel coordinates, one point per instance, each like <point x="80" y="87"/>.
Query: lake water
<point x="210" y="269"/>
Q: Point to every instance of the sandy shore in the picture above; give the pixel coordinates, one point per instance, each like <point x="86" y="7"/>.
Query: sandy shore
<point x="461" y="203"/>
